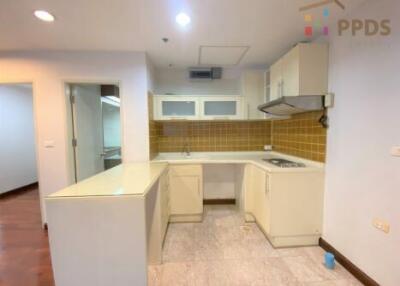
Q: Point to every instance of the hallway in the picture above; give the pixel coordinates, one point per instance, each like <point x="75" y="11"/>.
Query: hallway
<point x="24" y="248"/>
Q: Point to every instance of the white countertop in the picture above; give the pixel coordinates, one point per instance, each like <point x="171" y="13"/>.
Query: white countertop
<point x="124" y="179"/>
<point x="138" y="178"/>
<point x="255" y="158"/>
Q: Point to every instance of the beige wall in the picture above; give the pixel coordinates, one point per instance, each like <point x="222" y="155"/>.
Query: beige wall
<point x="48" y="71"/>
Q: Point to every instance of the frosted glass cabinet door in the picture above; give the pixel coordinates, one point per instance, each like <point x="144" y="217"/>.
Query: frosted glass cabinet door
<point x="170" y="108"/>
<point x="221" y="108"/>
<point x="178" y="108"/>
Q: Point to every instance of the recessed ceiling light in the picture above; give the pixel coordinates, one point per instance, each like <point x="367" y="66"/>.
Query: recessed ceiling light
<point x="182" y="19"/>
<point x="44" y="15"/>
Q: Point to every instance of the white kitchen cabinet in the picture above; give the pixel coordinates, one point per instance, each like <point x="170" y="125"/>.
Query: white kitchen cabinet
<point x="276" y="80"/>
<point x="221" y="108"/>
<point x="186" y="193"/>
<point x="164" y="203"/>
<point x="261" y="198"/>
<point x="176" y="108"/>
<point x="199" y="108"/>
<point x="287" y="206"/>
<point x="253" y="90"/>
<point x="257" y="202"/>
<point x="302" y="71"/>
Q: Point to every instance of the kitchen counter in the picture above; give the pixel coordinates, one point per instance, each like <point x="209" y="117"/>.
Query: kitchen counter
<point x="119" y="217"/>
<point x="105" y="230"/>
<point x="124" y="179"/>
<point x="255" y="158"/>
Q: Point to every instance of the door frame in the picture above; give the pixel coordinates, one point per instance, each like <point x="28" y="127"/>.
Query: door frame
<point x="71" y="160"/>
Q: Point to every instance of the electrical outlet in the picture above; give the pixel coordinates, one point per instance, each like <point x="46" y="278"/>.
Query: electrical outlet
<point x="381" y="225"/>
<point x="268" y="147"/>
<point x="395" y="151"/>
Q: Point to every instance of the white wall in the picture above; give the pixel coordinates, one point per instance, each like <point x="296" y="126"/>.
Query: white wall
<point x="17" y="142"/>
<point x="362" y="178"/>
<point x="150" y="69"/>
<point x="48" y="71"/>
<point x="176" y="81"/>
<point x="219" y="181"/>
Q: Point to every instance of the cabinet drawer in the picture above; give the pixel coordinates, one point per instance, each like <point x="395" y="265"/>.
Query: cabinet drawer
<point x="185" y="170"/>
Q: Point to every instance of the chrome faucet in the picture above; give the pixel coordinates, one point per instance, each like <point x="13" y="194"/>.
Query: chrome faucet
<point x="186" y="149"/>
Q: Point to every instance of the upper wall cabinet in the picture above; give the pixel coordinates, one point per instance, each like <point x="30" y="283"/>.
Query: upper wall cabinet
<point x="176" y="108"/>
<point x="254" y="91"/>
<point x="221" y="108"/>
<point x="302" y="71"/>
<point x="199" y="108"/>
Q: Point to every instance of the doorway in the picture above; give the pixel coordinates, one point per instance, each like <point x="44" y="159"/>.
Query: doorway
<point x="18" y="147"/>
<point x="94" y="114"/>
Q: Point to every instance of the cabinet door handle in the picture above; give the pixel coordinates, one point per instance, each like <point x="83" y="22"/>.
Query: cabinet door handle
<point x="221" y="117"/>
<point x="176" y="118"/>
<point x="266" y="184"/>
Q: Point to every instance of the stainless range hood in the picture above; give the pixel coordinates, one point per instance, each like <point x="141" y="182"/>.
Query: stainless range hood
<point x="288" y="105"/>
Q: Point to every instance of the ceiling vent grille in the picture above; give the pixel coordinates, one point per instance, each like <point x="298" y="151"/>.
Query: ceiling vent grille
<point x="205" y="73"/>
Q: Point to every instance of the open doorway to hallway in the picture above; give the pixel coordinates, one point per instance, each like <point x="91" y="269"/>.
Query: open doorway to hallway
<point x="94" y="128"/>
<point x="17" y="145"/>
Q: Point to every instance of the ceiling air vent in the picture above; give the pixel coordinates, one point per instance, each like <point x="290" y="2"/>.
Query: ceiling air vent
<point x="205" y="73"/>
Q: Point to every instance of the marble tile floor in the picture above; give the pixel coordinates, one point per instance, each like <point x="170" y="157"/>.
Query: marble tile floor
<point x="224" y="250"/>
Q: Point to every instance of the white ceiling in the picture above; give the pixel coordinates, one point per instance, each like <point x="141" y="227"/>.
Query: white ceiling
<point x="268" y="27"/>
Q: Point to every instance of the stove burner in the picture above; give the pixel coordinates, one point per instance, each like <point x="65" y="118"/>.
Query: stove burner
<point x="282" y="163"/>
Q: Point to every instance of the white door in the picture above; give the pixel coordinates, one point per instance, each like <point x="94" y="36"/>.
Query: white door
<point x="88" y="130"/>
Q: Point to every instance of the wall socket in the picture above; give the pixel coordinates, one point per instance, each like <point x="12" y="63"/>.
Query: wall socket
<point x="395" y="151"/>
<point x="381" y="225"/>
<point x="267" y="147"/>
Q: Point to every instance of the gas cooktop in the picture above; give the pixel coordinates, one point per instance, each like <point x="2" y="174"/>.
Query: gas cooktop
<point x="282" y="163"/>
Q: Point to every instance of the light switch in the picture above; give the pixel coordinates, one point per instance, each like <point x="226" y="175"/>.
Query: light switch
<point x="395" y="151"/>
<point x="48" y="144"/>
<point x="381" y="225"/>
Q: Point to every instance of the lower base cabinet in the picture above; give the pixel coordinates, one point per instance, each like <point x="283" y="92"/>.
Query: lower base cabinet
<point x="164" y="202"/>
<point x="287" y="206"/>
<point x="186" y="193"/>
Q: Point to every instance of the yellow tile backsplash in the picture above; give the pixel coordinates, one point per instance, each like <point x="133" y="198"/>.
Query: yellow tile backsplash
<point x="153" y="129"/>
<point x="213" y="136"/>
<point x="301" y="135"/>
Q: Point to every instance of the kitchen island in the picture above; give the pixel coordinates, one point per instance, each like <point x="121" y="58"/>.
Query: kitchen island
<point x="106" y="229"/>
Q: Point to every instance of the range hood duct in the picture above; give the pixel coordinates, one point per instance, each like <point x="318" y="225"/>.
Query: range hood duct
<point x="288" y="105"/>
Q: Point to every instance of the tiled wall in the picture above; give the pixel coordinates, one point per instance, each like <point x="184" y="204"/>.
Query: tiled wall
<point x="153" y="129"/>
<point x="213" y="136"/>
<point x="301" y="136"/>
